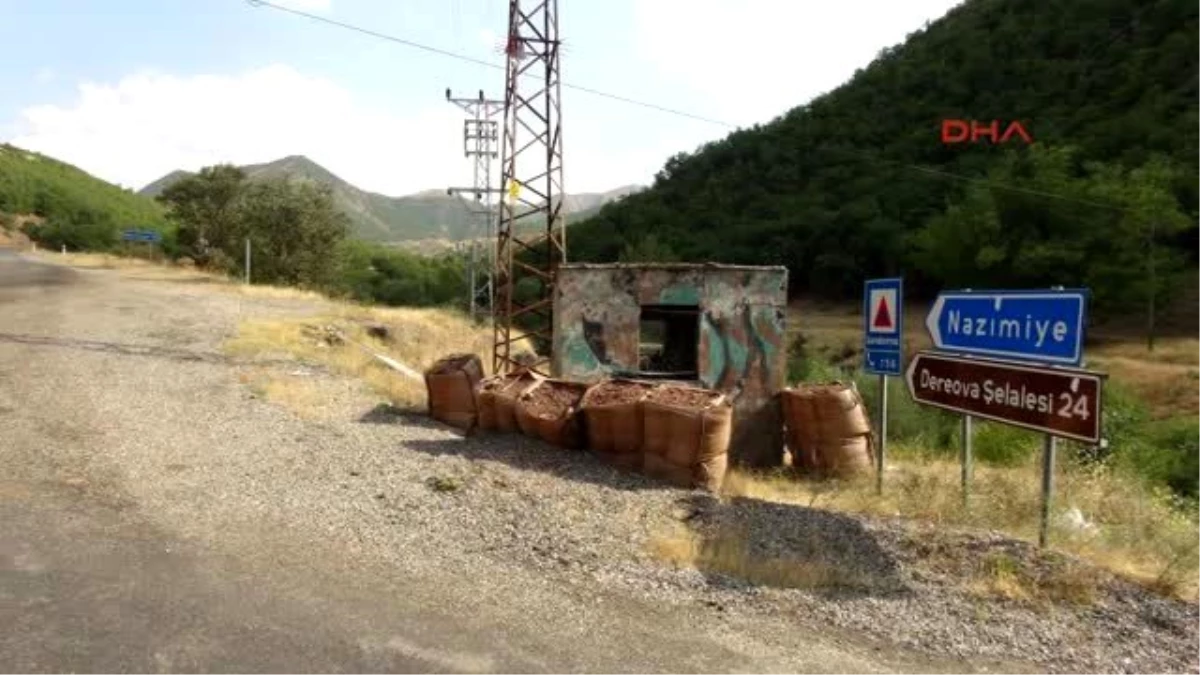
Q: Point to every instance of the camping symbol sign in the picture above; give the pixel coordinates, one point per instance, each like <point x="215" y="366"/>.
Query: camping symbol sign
<point x="883" y="330"/>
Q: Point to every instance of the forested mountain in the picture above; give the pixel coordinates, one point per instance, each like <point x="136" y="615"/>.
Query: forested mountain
<point x="859" y="183"/>
<point x="32" y="183"/>
<point x="431" y="214"/>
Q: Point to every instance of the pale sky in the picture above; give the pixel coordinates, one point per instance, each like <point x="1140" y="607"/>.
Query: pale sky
<point x="132" y="89"/>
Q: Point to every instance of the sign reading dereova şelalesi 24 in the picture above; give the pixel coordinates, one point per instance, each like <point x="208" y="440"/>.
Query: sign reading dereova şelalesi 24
<point x="1059" y="401"/>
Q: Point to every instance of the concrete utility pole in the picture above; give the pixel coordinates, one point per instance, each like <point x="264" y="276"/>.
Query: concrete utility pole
<point x="481" y="139"/>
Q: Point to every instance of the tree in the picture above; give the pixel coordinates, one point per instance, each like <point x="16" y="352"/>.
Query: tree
<point x="1042" y="220"/>
<point x="294" y="229"/>
<point x="205" y="208"/>
<point x="1148" y="272"/>
<point x="648" y="248"/>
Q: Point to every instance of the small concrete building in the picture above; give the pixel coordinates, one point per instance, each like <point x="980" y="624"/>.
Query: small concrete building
<point x="716" y="326"/>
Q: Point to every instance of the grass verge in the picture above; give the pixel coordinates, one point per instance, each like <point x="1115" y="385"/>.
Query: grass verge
<point x="1126" y="527"/>
<point x="726" y="552"/>
<point x="417" y="338"/>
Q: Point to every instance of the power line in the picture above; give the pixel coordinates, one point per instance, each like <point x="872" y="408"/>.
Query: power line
<point x="671" y="111"/>
<point x="481" y="62"/>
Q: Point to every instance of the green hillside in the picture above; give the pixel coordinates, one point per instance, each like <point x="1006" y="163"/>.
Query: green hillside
<point x="68" y="198"/>
<point x="426" y="215"/>
<point x="858" y="183"/>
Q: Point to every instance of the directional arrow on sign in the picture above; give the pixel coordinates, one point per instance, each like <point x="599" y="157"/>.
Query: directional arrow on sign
<point x="1044" y="326"/>
<point x="1058" y="401"/>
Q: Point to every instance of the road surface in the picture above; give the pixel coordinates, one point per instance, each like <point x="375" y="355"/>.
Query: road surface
<point x="116" y="556"/>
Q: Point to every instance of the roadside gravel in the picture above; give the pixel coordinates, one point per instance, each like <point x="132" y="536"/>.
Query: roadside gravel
<point x="206" y="458"/>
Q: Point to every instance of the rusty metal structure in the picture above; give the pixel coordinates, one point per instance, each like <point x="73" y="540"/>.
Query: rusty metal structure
<point x="716" y="326"/>
<point x="530" y="236"/>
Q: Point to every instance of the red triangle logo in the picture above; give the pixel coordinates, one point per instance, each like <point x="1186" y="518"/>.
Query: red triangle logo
<point x="883" y="318"/>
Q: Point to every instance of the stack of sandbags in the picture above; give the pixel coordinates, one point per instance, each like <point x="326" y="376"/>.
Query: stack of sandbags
<point x="450" y="389"/>
<point x="498" y="396"/>
<point x="613" y="416"/>
<point x="828" y="429"/>
<point x="685" y="436"/>
<point x="549" y="410"/>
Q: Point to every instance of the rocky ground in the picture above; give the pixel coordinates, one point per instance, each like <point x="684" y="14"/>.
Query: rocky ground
<point x="508" y="531"/>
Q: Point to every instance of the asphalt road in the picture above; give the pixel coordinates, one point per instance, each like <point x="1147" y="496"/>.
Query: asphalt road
<point x="111" y="563"/>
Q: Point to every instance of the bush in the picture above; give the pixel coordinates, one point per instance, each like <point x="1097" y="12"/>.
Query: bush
<point x="1004" y="445"/>
<point x="1167" y="453"/>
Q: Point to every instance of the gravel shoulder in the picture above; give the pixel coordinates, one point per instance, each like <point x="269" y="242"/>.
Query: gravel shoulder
<point x="143" y="477"/>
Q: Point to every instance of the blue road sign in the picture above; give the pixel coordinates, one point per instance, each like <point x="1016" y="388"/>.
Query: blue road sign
<point x="1043" y="326"/>
<point x="141" y="235"/>
<point x="883" y="326"/>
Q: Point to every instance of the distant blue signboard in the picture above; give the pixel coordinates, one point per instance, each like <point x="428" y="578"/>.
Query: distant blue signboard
<point x="883" y="326"/>
<point x="141" y="235"/>
<point x="1038" y="325"/>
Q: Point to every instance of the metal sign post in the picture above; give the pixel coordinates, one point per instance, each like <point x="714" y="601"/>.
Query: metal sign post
<point x="1048" y="462"/>
<point x="1038" y="384"/>
<point x="883" y="346"/>
<point x="967" y="460"/>
<point x="247" y="260"/>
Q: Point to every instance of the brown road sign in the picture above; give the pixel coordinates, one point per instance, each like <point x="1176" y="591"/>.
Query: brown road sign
<point x="1058" y="401"/>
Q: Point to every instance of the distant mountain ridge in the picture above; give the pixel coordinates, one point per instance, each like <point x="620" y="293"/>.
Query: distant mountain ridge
<point x="430" y="214"/>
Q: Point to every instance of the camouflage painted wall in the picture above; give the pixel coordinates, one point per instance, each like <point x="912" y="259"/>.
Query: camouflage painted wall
<point x="742" y="334"/>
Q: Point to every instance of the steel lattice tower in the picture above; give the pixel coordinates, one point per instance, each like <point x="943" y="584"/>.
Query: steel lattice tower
<point x="530" y="237"/>
<point x="481" y="137"/>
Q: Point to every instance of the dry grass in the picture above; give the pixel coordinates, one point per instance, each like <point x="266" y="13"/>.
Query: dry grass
<point x="1132" y="530"/>
<point x="307" y="397"/>
<point x="998" y="575"/>
<point x="418" y="338"/>
<point x="1167" y="389"/>
<point x="131" y="268"/>
<point x="728" y="553"/>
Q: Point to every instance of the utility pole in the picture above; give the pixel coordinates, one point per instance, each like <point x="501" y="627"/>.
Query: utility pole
<point x="1153" y="287"/>
<point x="531" y="225"/>
<point x="481" y="137"/>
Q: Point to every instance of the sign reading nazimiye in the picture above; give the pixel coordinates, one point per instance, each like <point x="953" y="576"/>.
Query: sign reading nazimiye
<point x="1058" y="401"/>
<point x="1042" y="326"/>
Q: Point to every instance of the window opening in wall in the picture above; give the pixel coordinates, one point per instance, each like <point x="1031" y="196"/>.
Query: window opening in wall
<point x="669" y="341"/>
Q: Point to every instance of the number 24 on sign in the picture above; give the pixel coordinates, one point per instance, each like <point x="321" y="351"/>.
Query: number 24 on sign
<point x="1006" y="394"/>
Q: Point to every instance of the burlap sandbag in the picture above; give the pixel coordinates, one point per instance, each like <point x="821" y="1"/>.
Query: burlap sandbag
<point x="827" y="429"/>
<point x="613" y="419"/>
<point x="505" y="399"/>
<point x="687" y="437"/>
<point x="485" y="401"/>
<point x="841" y="411"/>
<point x="707" y="475"/>
<point x="549" y="411"/>
<point x="847" y="456"/>
<point x="450" y="389"/>
<point x="801" y="428"/>
<point x="686" y="432"/>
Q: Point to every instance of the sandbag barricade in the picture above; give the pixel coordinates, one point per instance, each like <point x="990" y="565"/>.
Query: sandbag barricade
<point x="498" y="402"/>
<point x="685" y="436"/>
<point x="549" y="410"/>
<point x="612" y="414"/>
<point x="450" y="390"/>
<point x="827" y="429"/>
